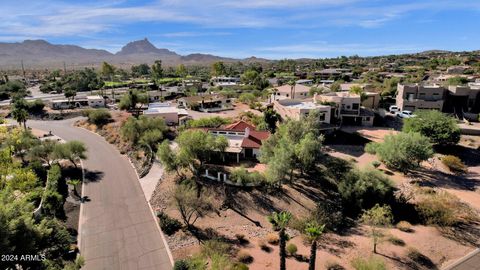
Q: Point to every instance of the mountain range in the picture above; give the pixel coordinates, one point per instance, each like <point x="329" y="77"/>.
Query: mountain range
<point x="40" y="54"/>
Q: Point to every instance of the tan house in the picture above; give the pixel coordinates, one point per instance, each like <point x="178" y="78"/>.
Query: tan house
<point x="347" y="108"/>
<point x="297" y="109"/>
<point x="171" y="115"/>
<point x="416" y="96"/>
<point x="206" y="103"/>
<point x="297" y="91"/>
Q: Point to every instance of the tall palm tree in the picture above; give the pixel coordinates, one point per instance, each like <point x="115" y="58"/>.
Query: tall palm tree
<point x="20" y="113"/>
<point x="280" y="221"/>
<point x="292" y="89"/>
<point x="313" y="231"/>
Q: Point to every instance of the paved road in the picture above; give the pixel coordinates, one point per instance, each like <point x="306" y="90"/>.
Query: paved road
<point x="117" y="227"/>
<point x="469" y="262"/>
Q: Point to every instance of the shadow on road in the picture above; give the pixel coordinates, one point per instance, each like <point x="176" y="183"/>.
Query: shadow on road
<point x="92" y="176"/>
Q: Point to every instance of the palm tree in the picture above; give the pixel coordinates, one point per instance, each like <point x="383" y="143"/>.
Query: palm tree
<point x="74" y="183"/>
<point x="280" y="221"/>
<point x="313" y="231"/>
<point x="292" y="89"/>
<point x="20" y="113"/>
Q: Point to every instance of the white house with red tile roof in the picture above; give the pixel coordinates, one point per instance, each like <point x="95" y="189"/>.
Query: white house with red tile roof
<point x="243" y="139"/>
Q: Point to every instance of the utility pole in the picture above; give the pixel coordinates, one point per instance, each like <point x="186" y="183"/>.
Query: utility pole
<point x="64" y="69"/>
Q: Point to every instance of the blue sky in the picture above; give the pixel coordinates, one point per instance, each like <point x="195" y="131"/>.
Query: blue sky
<point x="272" y="29"/>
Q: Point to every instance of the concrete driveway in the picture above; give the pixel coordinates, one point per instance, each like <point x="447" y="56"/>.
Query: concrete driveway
<point x="117" y="228"/>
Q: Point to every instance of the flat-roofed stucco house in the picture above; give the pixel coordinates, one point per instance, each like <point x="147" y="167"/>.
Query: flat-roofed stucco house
<point x="206" y="103"/>
<point x="347" y="108"/>
<point x="297" y="91"/>
<point x="171" y="115"/>
<point x="297" y="109"/>
<point x="412" y="97"/>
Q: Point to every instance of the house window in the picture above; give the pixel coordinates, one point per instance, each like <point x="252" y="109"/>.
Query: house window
<point x="355" y="106"/>
<point x="322" y="117"/>
<point x="222" y="132"/>
<point x="348" y="107"/>
<point x="287" y="95"/>
<point x="367" y="119"/>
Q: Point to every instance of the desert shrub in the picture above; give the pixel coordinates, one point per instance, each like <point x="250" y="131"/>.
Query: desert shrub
<point x="371" y="263"/>
<point x="36" y="107"/>
<point x="334" y="266"/>
<point x="454" y="164"/>
<point x="181" y="265"/>
<point x="371" y="148"/>
<point x="211" y="122"/>
<point x="220" y="262"/>
<point x="169" y="225"/>
<point x="362" y="189"/>
<point x="439" y="127"/>
<point x="263" y="245"/>
<point x="240" y="266"/>
<point x="291" y="249"/>
<point x="440" y="208"/>
<point x="212" y="247"/>
<point x="419" y="258"/>
<point x="396" y="241"/>
<point x="272" y="238"/>
<point x="98" y="117"/>
<point x="376" y="163"/>
<point x="404" y="226"/>
<point x="241" y="238"/>
<point x="244" y="257"/>
<point x="197" y="262"/>
<point x="242" y="176"/>
<point x="404" y="151"/>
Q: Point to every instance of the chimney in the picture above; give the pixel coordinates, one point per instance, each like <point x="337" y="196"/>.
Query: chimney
<point x="247" y="132"/>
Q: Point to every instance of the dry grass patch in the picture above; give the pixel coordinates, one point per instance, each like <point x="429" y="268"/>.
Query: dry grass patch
<point x="272" y="239"/>
<point x="404" y="226"/>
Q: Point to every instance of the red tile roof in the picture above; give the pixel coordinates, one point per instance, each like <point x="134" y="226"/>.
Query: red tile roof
<point x="239" y="126"/>
<point x="255" y="139"/>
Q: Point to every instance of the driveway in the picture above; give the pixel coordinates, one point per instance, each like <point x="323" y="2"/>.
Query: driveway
<point x="117" y="228"/>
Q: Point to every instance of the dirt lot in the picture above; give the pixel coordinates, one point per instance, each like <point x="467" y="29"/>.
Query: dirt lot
<point x="248" y="209"/>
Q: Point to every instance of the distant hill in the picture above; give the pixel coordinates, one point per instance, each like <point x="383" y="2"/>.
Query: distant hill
<point x="40" y="54"/>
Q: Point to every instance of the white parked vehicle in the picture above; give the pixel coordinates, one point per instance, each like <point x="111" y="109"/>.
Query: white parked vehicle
<point x="394" y="109"/>
<point x="406" y="114"/>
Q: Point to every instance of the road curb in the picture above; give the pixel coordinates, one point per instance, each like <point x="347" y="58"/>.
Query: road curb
<point x="169" y="252"/>
<point x="463" y="259"/>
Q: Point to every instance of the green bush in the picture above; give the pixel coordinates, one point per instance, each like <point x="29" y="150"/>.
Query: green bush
<point x="454" y="163"/>
<point x="211" y="122"/>
<point x="54" y="175"/>
<point x="169" y="225"/>
<point x="240" y="266"/>
<point x="242" y="176"/>
<point x="36" y="107"/>
<point x="437" y="126"/>
<point x="376" y="163"/>
<point x="181" y="265"/>
<point x="396" y="241"/>
<point x="98" y="117"/>
<point x="291" y="249"/>
<point x="404" y="151"/>
<point x="362" y="189"/>
<point x="371" y="148"/>
<point x="371" y="263"/>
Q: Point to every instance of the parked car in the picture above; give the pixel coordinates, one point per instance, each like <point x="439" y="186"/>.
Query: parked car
<point x="405" y="114"/>
<point x="394" y="109"/>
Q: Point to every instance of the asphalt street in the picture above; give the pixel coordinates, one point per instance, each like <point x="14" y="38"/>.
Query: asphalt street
<point x="117" y="228"/>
